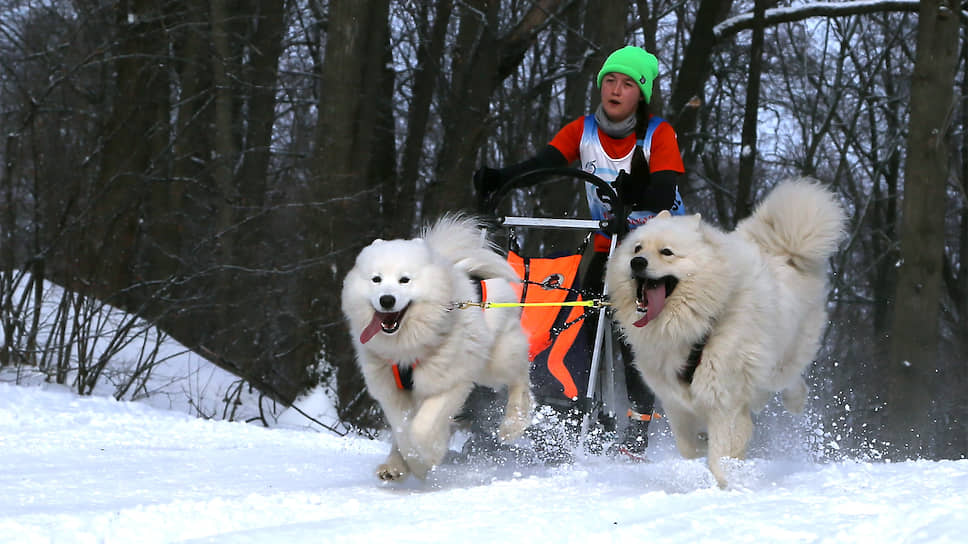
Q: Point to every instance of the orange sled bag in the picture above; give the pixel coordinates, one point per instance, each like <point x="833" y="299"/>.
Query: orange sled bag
<point x="559" y="349"/>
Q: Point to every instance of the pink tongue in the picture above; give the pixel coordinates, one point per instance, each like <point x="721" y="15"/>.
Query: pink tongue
<point x="375" y="326"/>
<point x="655" y="298"/>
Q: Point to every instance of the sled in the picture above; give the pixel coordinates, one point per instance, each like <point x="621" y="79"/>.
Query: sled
<point x="575" y="371"/>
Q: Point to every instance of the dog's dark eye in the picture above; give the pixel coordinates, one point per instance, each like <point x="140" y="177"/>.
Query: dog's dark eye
<point x="404" y="279"/>
<point x="638" y="248"/>
<point x="666" y="251"/>
<point x="376" y="279"/>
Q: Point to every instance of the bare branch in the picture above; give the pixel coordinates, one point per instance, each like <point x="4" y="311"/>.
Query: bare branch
<point x="737" y="24"/>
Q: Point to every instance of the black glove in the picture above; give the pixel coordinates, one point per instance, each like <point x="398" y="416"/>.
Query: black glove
<point x="662" y="191"/>
<point x="486" y="181"/>
<point x="653" y="192"/>
<point x="618" y="225"/>
<point x="632" y="190"/>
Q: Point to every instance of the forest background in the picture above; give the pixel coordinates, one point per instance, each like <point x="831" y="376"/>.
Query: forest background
<point x="212" y="169"/>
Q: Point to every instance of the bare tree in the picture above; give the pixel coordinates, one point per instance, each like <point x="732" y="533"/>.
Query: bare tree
<point x="214" y="167"/>
<point x="687" y="94"/>
<point x="426" y="74"/>
<point x="351" y="91"/>
<point x="747" y="154"/>
<point x="483" y="59"/>
<point x="914" y="360"/>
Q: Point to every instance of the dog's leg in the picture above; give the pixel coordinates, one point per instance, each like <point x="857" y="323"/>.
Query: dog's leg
<point x="430" y="428"/>
<point x="795" y="396"/>
<point x="685" y="429"/>
<point x="405" y="452"/>
<point x="729" y="434"/>
<point x="508" y="365"/>
<point x="403" y="459"/>
<point x="517" y="412"/>
<point x="394" y="468"/>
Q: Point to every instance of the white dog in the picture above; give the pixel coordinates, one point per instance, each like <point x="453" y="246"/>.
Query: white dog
<point x="421" y="351"/>
<point x="720" y="322"/>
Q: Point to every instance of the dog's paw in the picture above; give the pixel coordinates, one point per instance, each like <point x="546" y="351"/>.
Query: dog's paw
<point x="511" y="429"/>
<point x="389" y="472"/>
<point x="517" y="414"/>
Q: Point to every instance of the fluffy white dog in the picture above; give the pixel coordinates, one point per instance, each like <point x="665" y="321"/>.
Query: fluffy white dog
<point x="421" y="352"/>
<point x="720" y="322"/>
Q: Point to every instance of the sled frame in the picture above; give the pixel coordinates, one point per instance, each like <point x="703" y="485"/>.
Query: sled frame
<point x="603" y="347"/>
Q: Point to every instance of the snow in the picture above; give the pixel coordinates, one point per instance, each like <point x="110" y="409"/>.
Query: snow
<point x="148" y="469"/>
<point x="93" y="469"/>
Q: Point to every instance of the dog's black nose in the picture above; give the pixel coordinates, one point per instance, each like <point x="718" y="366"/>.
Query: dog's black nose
<point x="639" y="264"/>
<point x="387" y="301"/>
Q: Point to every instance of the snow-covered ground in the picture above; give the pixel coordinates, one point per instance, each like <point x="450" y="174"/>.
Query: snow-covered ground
<point x="92" y="469"/>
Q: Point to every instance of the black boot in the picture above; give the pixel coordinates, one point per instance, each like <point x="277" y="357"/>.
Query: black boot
<point x="635" y="438"/>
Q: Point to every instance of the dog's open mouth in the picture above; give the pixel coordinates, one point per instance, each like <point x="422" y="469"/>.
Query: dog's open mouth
<point x="386" y="322"/>
<point x="650" y="297"/>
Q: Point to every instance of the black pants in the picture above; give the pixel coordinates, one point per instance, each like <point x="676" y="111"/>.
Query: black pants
<point x="640" y="396"/>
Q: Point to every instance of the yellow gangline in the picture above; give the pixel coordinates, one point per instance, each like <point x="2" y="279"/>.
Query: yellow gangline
<point x="591" y="303"/>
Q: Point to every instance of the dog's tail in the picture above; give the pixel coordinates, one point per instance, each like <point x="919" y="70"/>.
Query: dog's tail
<point x="799" y="219"/>
<point x="462" y="239"/>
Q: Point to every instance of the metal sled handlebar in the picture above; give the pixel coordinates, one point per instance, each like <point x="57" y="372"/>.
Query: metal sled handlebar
<point x="537" y="222"/>
<point x="546" y="175"/>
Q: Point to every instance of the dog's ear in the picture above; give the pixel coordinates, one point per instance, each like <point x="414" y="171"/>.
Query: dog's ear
<point x="378" y="241"/>
<point x="664" y="213"/>
<point x="696" y="221"/>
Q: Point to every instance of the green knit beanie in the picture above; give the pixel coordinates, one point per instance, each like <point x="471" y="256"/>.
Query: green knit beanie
<point x="635" y="62"/>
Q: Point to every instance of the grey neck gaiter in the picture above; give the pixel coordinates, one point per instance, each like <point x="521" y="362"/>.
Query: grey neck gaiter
<point x="619" y="129"/>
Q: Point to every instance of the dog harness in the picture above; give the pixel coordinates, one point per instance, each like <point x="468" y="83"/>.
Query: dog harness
<point x="403" y="374"/>
<point x="692" y="362"/>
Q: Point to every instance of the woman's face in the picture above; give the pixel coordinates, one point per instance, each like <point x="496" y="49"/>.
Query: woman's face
<point x="620" y="96"/>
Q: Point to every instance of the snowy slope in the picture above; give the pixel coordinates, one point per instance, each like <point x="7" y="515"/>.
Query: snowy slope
<point x="87" y="469"/>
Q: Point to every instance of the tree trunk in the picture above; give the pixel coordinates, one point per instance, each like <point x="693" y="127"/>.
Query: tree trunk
<point x="683" y="108"/>
<point x="914" y="364"/>
<point x="579" y="64"/>
<point x="747" y="154"/>
<point x="350" y="92"/>
<point x="113" y="225"/>
<point x="482" y="60"/>
<point x="430" y="51"/>
<point x="464" y="108"/>
<point x="955" y="434"/>
<point x="884" y="220"/>
<point x="650" y="25"/>
<point x="263" y="73"/>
